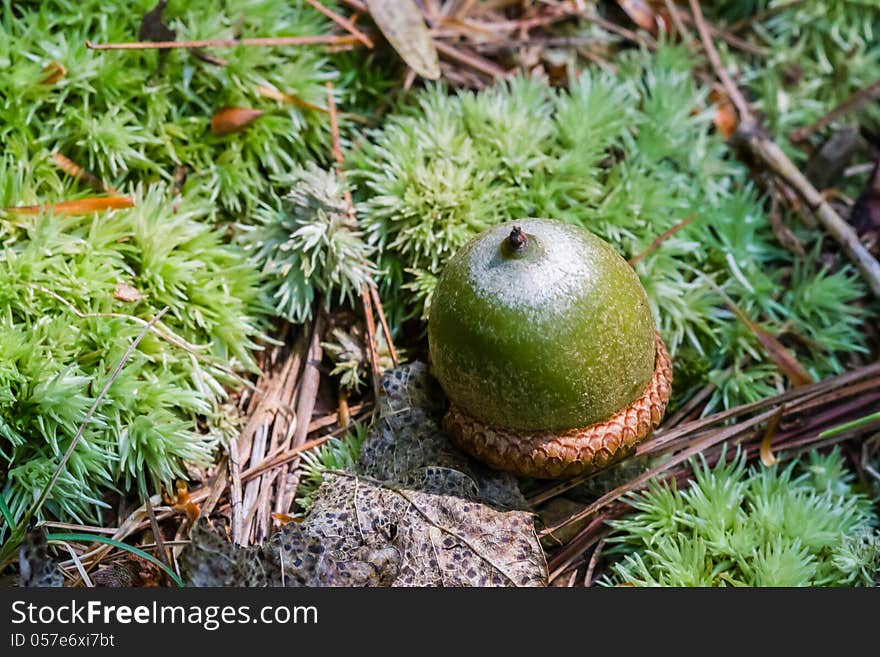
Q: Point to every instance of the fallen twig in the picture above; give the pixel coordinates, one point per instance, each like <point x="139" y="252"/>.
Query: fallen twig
<point x="665" y="235"/>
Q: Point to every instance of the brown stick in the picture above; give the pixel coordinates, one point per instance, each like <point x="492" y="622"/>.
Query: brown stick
<point x="832" y="222"/>
<point x="733" y="91"/>
<point x="227" y="43"/>
<point x="683" y="32"/>
<point x="750" y="135"/>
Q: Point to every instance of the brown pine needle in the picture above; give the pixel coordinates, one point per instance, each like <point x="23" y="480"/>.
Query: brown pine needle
<point x="342" y="22"/>
<point x="81" y="206"/>
<point x="662" y="238"/>
<point x="321" y="39"/>
<point x="374" y="292"/>
<point x="73" y="170"/>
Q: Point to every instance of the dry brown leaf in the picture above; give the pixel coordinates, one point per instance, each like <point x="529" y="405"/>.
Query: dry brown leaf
<point x="53" y="72"/>
<point x="726" y="119"/>
<point x="404" y="26"/>
<point x="233" y="119"/>
<point x="127" y="293"/>
<point x="82" y="206"/>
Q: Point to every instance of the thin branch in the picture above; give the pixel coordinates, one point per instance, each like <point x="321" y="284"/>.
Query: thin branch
<point x="342" y="22"/>
<point x="471" y="59"/>
<point x="677" y="22"/>
<point x="372" y="341"/>
<point x="730" y="87"/>
<point x="374" y="292"/>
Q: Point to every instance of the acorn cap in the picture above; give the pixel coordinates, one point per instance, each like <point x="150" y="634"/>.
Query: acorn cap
<point x="550" y="454"/>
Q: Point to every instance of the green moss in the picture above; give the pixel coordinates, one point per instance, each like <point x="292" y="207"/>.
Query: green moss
<point x="63" y="330"/>
<point x="802" y="525"/>
<point x="308" y="245"/>
<point x="336" y="454"/>
<point x="117" y="115"/>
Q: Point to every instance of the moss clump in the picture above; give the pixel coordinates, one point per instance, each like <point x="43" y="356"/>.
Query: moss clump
<point x="65" y="326"/>
<point x="802" y="525"/>
<point x="308" y="245"/>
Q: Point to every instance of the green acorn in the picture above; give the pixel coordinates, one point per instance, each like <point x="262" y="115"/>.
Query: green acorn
<point x="541" y="336"/>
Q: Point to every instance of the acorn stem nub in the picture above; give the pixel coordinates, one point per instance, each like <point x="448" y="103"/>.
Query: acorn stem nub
<point x="517" y="239"/>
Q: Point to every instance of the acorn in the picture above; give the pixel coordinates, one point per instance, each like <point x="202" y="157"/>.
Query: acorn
<point x="541" y="336"/>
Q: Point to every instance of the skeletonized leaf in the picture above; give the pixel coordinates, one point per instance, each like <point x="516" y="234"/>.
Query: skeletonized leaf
<point x="404" y="26"/>
<point x="82" y="206"/>
<point x="233" y="119"/>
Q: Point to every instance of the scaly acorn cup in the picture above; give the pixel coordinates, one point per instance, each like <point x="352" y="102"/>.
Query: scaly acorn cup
<point x="541" y="337"/>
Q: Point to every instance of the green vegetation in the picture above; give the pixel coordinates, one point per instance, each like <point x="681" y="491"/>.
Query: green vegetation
<point x="64" y="328"/>
<point x="336" y="454"/>
<point x="308" y="245"/>
<point x="801" y="525"/>
<point x="128" y="122"/>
